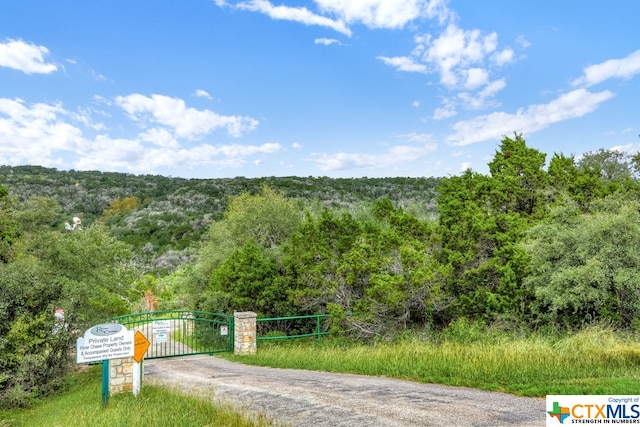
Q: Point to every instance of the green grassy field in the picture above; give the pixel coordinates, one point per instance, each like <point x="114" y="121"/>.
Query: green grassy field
<point x="594" y="361"/>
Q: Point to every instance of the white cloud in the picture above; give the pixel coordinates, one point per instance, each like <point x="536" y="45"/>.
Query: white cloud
<point x="186" y="122"/>
<point x="327" y="42"/>
<point x="482" y="98"/>
<point x="201" y="93"/>
<point x="476" y="77"/>
<point x="25" y="57"/>
<point x="133" y="156"/>
<point x="113" y="154"/>
<point x="422" y="138"/>
<point x="296" y="146"/>
<point x="98" y="76"/>
<point x="465" y="61"/>
<point x="624" y="68"/>
<point x="404" y="63"/>
<point x="297" y="14"/>
<point x="396" y="156"/>
<point x="522" y="41"/>
<point x="629" y="149"/>
<point x="416" y="104"/>
<point x="159" y="137"/>
<point x="34" y="134"/>
<point x="447" y="110"/>
<point x="621" y="132"/>
<point x="505" y="56"/>
<point x="39" y="134"/>
<point x="371" y="13"/>
<point x="84" y="116"/>
<point x="536" y="117"/>
<point x="455" y="51"/>
<point x="494" y="87"/>
<point x="385" y="13"/>
<point x="464" y="166"/>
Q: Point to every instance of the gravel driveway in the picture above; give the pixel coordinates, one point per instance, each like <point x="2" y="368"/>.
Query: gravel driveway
<point x="307" y="398"/>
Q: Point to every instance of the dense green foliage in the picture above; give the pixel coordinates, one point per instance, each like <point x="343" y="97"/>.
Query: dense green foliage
<point x="523" y="246"/>
<point x="585" y="267"/>
<point x="84" y="272"/>
<point x="528" y="246"/>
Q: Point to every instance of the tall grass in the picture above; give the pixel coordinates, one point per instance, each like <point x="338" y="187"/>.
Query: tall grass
<point x="593" y="361"/>
<point x="155" y="406"/>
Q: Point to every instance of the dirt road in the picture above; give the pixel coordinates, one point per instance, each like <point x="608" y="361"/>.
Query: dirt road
<point x="300" y="398"/>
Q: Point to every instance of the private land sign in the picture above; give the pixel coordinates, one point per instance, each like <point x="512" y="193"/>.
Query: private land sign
<point x="104" y="341"/>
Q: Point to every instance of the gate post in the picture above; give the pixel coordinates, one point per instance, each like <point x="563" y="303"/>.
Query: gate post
<point x="244" y="341"/>
<point x="121" y="375"/>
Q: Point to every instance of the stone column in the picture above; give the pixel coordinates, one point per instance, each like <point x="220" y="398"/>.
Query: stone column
<point x="120" y="375"/>
<point x="244" y="332"/>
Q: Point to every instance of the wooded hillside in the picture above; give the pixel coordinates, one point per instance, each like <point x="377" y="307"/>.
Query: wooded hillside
<point x="162" y="218"/>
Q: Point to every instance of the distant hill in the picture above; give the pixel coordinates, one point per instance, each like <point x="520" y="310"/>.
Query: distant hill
<point x="161" y="217"/>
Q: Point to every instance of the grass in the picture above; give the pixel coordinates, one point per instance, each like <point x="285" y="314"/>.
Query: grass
<point x="158" y="406"/>
<point x="593" y="361"/>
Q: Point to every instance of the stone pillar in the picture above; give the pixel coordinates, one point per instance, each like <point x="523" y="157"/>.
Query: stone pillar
<point x="244" y="332"/>
<point x="120" y="375"/>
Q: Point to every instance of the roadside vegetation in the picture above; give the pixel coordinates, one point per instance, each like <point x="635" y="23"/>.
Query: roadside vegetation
<point x="81" y="405"/>
<point x="596" y="360"/>
<point x="496" y="281"/>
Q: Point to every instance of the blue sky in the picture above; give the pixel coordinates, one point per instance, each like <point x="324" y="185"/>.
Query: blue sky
<point x="339" y="88"/>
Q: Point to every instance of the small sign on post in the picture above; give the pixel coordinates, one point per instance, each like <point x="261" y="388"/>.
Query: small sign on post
<point x="141" y="346"/>
<point x="161" y="326"/>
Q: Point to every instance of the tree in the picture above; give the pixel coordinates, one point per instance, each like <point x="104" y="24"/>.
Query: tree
<point x="570" y="182"/>
<point x="584" y="266"/>
<point x="373" y="275"/>
<point x="518" y="177"/>
<point x="9" y="228"/>
<point x="120" y="207"/>
<point x="248" y="281"/>
<point x="311" y="259"/>
<point x="481" y="220"/>
<point x="267" y="218"/>
<point x="613" y="165"/>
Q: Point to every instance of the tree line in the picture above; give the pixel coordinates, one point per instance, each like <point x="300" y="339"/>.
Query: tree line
<point x="526" y="246"/>
<point x="163" y="218"/>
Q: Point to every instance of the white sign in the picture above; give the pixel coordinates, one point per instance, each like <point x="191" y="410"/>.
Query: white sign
<point x="224" y="330"/>
<point x="104" y="341"/>
<point x="161" y="337"/>
<point x="161" y="326"/>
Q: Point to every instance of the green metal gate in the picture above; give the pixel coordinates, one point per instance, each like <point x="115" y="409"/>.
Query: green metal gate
<point x="175" y="333"/>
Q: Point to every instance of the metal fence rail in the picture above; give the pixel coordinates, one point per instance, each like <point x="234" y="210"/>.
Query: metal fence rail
<point x="175" y="333"/>
<point x="279" y="328"/>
